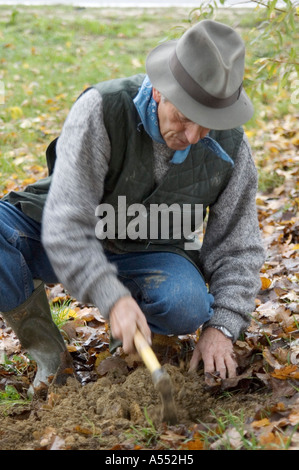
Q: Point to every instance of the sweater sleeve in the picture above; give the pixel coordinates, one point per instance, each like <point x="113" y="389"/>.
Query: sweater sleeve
<point x="232" y="252"/>
<point x="69" y="221"/>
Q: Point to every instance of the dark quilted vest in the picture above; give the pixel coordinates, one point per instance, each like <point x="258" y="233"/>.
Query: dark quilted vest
<point x="198" y="180"/>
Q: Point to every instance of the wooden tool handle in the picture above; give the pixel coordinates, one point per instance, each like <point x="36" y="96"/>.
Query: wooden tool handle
<point x="146" y="352"/>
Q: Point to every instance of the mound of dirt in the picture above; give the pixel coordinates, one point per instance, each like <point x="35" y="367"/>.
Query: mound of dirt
<point x="104" y="414"/>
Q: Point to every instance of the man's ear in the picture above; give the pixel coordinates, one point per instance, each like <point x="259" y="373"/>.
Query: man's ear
<point x="156" y="95"/>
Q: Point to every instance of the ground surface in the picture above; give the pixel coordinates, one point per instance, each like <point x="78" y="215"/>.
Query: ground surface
<point x="115" y="406"/>
<point x="111" y="412"/>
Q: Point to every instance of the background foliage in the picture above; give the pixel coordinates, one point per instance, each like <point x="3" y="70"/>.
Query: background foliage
<point x="48" y="57"/>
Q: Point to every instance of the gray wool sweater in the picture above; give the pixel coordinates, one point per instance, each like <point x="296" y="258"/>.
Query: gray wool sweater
<point x="231" y="254"/>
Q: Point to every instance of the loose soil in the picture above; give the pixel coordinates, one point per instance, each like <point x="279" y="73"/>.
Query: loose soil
<point x="111" y="412"/>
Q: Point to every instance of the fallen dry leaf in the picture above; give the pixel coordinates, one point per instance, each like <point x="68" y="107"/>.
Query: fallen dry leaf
<point x="231" y="438"/>
<point x="261" y="423"/>
<point x="266" y="283"/>
<point x="272" y="440"/>
<point x="112" y="363"/>
<point x="286" y="372"/>
<point x="294" y="417"/>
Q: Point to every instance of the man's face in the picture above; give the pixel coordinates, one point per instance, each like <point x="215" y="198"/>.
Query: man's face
<point x="177" y="131"/>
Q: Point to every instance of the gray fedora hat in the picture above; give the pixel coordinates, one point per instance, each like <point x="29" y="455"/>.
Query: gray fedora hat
<point x="201" y="74"/>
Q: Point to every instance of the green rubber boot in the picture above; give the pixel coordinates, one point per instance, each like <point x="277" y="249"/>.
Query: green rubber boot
<point x="33" y="324"/>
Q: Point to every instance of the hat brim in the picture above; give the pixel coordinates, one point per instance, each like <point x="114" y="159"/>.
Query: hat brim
<point x="161" y="77"/>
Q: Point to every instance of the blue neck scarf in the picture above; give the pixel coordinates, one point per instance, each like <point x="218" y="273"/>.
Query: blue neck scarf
<point x="148" y="111"/>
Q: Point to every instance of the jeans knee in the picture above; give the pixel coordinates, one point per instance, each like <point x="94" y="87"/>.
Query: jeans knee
<point x="182" y="310"/>
<point x="190" y="307"/>
<point x="169" y="289"/>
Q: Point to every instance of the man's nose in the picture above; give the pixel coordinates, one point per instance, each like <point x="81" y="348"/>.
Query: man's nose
<point x="194" y="133"/>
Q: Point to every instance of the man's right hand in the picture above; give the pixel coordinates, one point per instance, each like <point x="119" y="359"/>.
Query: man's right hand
<point x="125" y="317"/>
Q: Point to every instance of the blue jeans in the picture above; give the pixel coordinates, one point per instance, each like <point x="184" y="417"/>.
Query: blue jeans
<point x="168" y="288"/>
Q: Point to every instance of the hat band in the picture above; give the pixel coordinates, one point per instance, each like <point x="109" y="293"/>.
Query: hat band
<point x="195" y="90"/>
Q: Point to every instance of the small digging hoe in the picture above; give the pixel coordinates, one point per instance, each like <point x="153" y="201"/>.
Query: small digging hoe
<point x="160" y="377"/>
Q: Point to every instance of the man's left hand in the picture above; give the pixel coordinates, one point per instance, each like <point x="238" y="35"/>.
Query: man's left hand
<point x="217" y="353"/>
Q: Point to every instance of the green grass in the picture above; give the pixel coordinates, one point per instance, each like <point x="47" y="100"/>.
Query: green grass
<point x="50" y="55"/>
<point x="10" y="398"/>
<point x="233" y="433"/>
<point x="48" y="59"/>
<point x="9" y="395"/>
<point x="144" y="435"/>
<point x="61" y="313"/>
<point x="268" y="181"/>
<point x="229" y="431"/>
